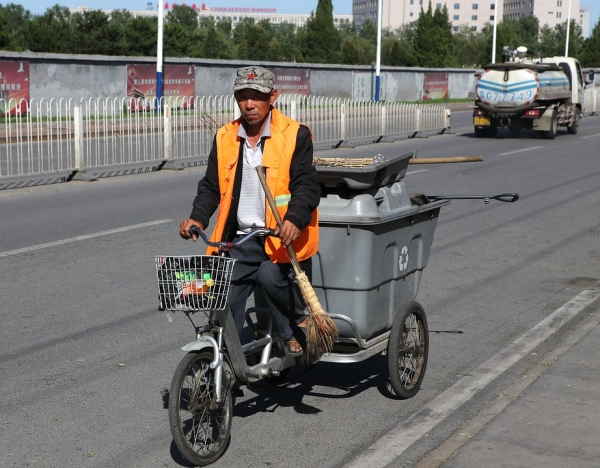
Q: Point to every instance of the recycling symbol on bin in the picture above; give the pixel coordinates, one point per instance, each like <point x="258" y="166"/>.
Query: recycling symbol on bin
<point x="403" y="260"/>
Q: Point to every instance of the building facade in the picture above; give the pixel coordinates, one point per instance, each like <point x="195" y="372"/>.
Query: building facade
<point x="234" y="14"/>
<point x="472" y="13"/>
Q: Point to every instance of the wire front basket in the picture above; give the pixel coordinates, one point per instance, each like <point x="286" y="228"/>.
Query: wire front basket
<point x="193" y="282"/>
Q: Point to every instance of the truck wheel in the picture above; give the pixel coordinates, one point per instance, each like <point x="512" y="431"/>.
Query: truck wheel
<point x="491" y="131"/>
<point x="551" y="134"/>
<point x="479" y="132"/>
<point x="574" y="127"/>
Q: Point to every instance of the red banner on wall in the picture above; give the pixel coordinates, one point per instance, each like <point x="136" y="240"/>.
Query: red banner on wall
<point x="178" y="81"/>
<point x="14" y="87"/>
<point x="292" y="80"/>
<point x="435" y="86"/>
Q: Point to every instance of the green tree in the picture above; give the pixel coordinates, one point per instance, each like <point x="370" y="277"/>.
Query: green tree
<point x="287" y="42"/>
<point x="358" y="51"/>
<point x="528" y="29"/>
<point x="225" y="26"/>
<point x="468" y="45"/>
<point x="552" y="40"/>
<point x="321" y="40"/>
<point x="14" y="20"/>
<point x="347" y="30"/>
<point x="142" y="34"/>
<point x="433" y="42"/>
<point x="178" y="40"/>
<point x="51" y="32"/>
<point x="590" y="56"/>
<point x="252" y="39"/>
<point x="184" y="16"/>
<point x="212" y="42"/>
<point x="397" y="52"/>
<point x="93" y="34"/>
<point x="368" y="31"/>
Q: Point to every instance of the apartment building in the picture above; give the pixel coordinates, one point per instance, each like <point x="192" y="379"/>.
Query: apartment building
<point x="473" y="13"/>
<point x="549" y="12"/>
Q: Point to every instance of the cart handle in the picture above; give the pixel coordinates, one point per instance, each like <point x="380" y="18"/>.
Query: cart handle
<point x="227" y="246"/>
<point x="503" y="197"/>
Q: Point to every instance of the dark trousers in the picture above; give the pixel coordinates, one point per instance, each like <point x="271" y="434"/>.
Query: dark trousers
<point x="253" y="267"/>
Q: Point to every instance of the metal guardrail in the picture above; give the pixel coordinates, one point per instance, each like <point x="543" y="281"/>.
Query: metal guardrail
<point x="68" y="137"/>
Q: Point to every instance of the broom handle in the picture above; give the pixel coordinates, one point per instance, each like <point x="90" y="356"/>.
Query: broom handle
<point x="275" y="212"/>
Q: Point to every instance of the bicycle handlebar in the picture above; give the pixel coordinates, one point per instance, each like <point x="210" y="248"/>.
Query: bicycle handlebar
<point x="227" y="246"/>
<point x="503" y="197"/>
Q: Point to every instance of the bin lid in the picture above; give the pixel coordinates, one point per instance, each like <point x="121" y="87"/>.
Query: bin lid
<point x="369" y="176"/>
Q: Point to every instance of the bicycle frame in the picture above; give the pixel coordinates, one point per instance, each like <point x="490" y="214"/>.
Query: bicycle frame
<point x="221" y="335"/>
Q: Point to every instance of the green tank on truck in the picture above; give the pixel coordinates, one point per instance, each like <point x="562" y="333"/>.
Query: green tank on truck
<point x="537" y="94"/>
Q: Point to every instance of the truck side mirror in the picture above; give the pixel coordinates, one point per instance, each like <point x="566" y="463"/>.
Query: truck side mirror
<point x="590" y="77"/>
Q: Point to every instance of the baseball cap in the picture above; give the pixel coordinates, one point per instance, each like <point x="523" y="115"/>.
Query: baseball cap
<point x="254" y="77"/>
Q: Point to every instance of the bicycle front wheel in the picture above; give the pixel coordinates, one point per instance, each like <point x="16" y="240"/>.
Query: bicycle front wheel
<point x="201" y="427"/>
<point x="408" y="348"/>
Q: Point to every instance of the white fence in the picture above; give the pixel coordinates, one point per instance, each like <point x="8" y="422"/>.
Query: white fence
<point x="48" y="137"/>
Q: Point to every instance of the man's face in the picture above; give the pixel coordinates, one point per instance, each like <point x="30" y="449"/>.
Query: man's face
<point x="254" y="105"/>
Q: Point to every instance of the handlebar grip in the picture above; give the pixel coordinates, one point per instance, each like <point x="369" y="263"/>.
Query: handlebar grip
<point x="195" y="231"/>
<point x="507" y="197"/>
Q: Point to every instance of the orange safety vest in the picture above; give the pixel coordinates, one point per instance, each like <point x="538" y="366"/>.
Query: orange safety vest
<point x="277" y="158"/>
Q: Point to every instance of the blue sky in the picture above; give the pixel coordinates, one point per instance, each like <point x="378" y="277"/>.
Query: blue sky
<point x="342" y="7"/>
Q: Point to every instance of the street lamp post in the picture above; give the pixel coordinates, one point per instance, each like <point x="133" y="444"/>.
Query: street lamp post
<point x="159" y="55"/>
<point x="568" y="30"/>
<point x="495" y="28"/>
<point x="378" y="59"/>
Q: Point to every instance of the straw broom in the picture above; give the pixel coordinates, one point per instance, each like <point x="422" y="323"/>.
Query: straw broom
<point x="322" y="332"/>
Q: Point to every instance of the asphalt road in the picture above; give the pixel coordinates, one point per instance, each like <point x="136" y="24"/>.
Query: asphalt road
<point x="86" y="359"/>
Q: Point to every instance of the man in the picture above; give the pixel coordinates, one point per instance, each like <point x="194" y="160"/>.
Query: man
<point x="262" y="136"/>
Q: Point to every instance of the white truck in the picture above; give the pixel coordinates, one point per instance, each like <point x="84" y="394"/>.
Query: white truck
<point x="541" y="95"/>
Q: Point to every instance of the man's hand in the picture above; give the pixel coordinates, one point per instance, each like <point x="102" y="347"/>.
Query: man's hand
<point x="288" y="233"/>
<point x="184" y="229"/>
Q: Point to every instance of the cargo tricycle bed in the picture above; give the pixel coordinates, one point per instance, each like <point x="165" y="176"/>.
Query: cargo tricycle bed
<point x="374" y="242"/>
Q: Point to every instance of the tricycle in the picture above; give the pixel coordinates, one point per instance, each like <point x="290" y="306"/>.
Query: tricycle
<point x="374" y="243"/>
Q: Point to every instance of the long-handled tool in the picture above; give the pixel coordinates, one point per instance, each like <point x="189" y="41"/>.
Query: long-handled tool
<point x="451" y="159"/>
<point x="503" y="197"/>
<point x="322" y="332"/>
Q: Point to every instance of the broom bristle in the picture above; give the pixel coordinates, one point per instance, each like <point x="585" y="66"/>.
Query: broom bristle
<point x="322" y="332"/>
<point x="321" y="335"/>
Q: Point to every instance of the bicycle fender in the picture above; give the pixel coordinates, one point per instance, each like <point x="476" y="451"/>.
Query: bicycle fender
<point x="196" y="345"/>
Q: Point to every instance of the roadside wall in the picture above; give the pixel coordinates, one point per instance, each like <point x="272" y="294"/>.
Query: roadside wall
<point x="77" y="76"/>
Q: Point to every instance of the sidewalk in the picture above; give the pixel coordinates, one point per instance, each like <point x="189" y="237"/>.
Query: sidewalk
<point x="553" y="422"/>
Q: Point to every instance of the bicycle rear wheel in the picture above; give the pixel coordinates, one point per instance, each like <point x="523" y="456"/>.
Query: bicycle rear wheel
<point x="408" y="348"/>
<point x="200" y="426"/>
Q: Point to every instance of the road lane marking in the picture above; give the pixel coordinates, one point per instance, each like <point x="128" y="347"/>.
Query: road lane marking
<point x="591" y="136"/>
<point x="415" y="172"/>
<point x="393" y="444"/>
<point x="84" y="237"/>
<point x="520" y="151"/>
<point x="486" y="415"/>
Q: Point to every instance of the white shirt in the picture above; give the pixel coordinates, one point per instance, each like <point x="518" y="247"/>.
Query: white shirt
<point x="251" y="209"/>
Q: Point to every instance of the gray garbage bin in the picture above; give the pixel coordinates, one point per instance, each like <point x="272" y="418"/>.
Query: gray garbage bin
<point x="374" y="244"/>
